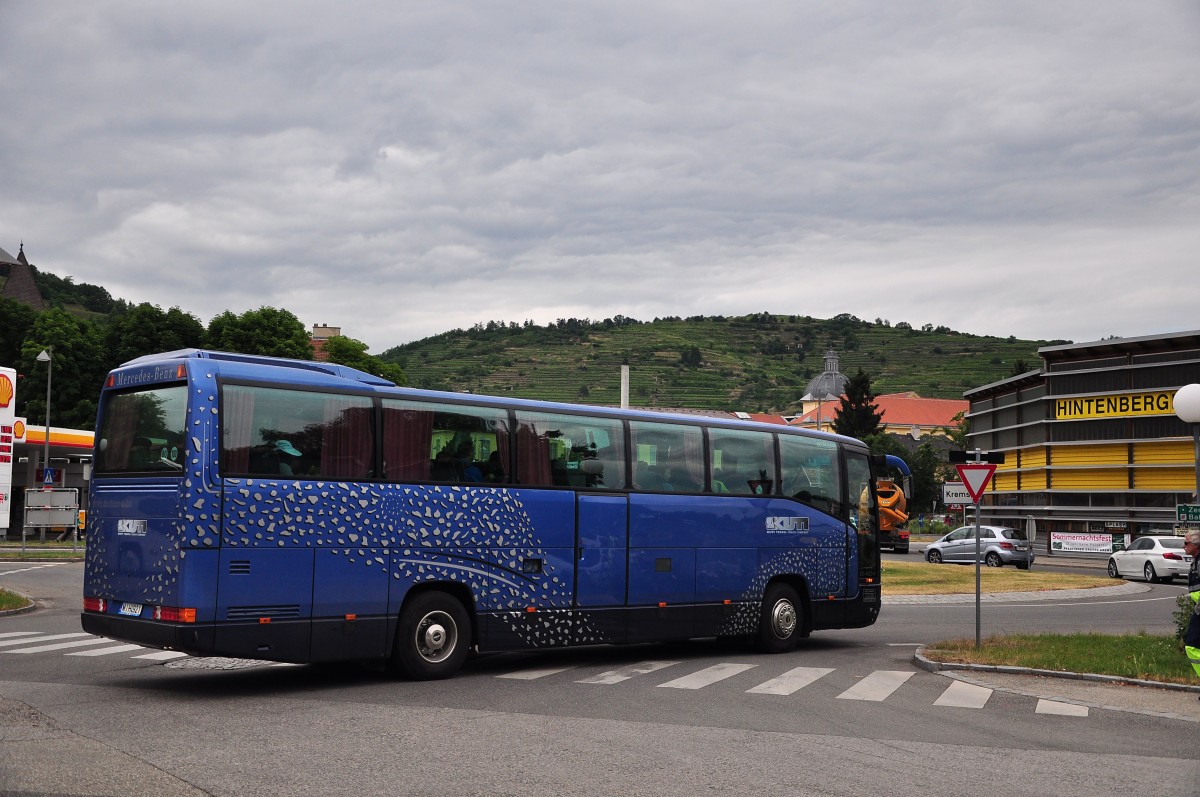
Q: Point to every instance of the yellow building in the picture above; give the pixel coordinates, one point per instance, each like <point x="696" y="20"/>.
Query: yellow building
<point x="1092" y="445"/>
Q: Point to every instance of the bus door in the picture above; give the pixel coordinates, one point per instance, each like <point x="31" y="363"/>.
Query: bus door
<point x="601" y="550"/>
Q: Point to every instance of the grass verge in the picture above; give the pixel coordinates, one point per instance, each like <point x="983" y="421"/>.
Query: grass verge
<point x="923" y="578"/>
<point x="11" y="600"/>
<point x="1144" y="656"/>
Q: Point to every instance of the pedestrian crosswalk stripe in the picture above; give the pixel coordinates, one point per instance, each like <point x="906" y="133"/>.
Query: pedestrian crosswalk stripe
<point x="79" y="643"/>
<point x="1061" y="709"/>
<point x="531" y="675"/>
<point x="162" y="655"/>
<point x="625" y="673"/>
<point x="877" y="686"/>
<point x="708" y="676"/>
<point x="107" y="651"/>
<point x="964" y="695"/>
<point x="8" y="643"/>
<point x="791" y="681"/>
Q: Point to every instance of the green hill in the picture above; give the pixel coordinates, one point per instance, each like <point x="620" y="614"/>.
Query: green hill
<point x="756" y="363"/>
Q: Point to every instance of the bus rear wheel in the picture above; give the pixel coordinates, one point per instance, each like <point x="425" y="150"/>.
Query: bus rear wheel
<point x="781" y="623"/>
<point x="432" y="638"/>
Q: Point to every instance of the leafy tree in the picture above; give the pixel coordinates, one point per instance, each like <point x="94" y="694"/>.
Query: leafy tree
<point x="146" y="329"/>
<point x="16" y="319"/>
<point x="956" y="432"/>
<point x="927" y="478"/>
<point x="79" y="364"/>
<point x="353" y="353"/>
<point x="691" y="357"/>
<point x="1019" y="367"/>
<point x="267" y="331"/>
<point x="858" y="415"/>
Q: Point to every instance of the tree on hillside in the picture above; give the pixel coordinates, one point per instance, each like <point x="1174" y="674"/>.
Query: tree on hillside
<point x="858" y="415"/>
<point x="266" y="331"/>
<point x="353" y="353"/>
<point x="16" y="319"/>
<point x="79" y="369"/>
<point x="146" y="329"/>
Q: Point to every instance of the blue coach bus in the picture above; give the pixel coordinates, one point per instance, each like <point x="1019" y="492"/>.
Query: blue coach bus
<point x="306" y="512"/>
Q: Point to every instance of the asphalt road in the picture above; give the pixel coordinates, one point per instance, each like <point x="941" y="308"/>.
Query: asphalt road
<point x="847" y="714"/>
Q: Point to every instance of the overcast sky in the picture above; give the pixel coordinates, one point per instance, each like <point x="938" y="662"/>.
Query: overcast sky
<point x="400" y="169"/>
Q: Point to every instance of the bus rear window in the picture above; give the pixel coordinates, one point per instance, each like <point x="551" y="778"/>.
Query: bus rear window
<point x="142" y="431"/>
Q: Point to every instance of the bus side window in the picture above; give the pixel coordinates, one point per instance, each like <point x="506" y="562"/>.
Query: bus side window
<point x="570" y="451"/>
<point x="743" y="462"/>
<point x="810" y="472"/>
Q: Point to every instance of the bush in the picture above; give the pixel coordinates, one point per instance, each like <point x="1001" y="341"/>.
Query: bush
<point x="1182" y="616"/>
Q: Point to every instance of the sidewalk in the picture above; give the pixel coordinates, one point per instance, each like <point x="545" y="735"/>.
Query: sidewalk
<point x="1175" y="701"/>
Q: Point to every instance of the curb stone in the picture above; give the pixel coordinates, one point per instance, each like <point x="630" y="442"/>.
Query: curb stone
<point x="1111" y="692"/>
<point x="1127" y="588"/>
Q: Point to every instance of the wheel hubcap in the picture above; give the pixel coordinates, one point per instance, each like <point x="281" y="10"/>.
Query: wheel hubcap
<point x="436" y="636"/>
<point x="783" y="619"/>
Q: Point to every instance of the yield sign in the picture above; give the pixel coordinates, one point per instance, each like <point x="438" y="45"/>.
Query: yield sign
<point x="975" y="477"/>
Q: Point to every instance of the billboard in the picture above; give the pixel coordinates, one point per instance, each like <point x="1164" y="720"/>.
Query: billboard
<point x="12" y="431"/>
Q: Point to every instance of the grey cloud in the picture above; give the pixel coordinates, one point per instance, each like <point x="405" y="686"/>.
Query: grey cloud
<point x="408" y="168"/>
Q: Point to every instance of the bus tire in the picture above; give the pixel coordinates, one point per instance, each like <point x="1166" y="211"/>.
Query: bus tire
<point x="781" y="623"/>
<point x="432" y="637"/>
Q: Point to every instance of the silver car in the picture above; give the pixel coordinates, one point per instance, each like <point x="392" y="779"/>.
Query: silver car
<point x="1154" y="558"/>
<point x="998" y="546"/>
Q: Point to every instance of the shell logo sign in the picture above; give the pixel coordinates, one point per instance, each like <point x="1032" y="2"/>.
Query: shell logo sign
<point x="6" y="390"/>
<point x="19" y="429"/>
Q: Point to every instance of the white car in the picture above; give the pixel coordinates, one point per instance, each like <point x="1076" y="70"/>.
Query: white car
<point x="1154" y="558"/>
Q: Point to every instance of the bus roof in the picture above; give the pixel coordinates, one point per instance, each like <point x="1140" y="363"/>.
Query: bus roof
<point x="333" y="369"/>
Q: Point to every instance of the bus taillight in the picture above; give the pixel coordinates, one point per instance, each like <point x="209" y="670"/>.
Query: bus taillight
<point x="171" y="614"/>
<point x="95" y="605"/>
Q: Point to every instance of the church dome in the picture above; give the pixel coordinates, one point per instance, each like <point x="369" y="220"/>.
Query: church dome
<point x="830" y="385"/>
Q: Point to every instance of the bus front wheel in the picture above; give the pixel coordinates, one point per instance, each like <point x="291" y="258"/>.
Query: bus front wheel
<point x="432" y="638"/>
<point x="782" y="621"/>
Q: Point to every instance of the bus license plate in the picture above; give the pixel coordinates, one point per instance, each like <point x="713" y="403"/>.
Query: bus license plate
<point x="131" y="609"/>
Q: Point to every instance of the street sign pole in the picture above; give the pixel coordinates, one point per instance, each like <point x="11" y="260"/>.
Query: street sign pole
<point x="975" y="477"/>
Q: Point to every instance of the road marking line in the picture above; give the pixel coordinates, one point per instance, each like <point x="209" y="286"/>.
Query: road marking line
<point x="539" y="672"/>
<point x="964" y="695"/>
<point x="162" y="655"/>
<point x="791" y="681"/>
<point x="625" y="673"/>
<point x="8" y="643"/>
<point x="708" y="676"/>
<point x="26" y="569"/>
<point x="63" y="645"/>
<point x="107" y="651"/>
<point x="1061" y="709"/>
<point x="877" y="686"/>
<point x="7" y="634"/>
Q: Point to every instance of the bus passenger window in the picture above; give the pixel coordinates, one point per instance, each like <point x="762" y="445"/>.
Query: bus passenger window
<point x="668" y="457"/>
<point x="810" y="472"/>
<point x="570" y="451"/>
<point x="296" y="433"/>
<point x="743" y="463"/>
<point x="427" y="441"/>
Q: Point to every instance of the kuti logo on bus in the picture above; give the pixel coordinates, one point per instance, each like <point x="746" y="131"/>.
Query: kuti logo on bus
<point x="786" y="525"/>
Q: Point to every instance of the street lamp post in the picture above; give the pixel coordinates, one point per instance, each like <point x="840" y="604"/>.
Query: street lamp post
<point x="1187" y="407"/>
<point x="48" y="359"/>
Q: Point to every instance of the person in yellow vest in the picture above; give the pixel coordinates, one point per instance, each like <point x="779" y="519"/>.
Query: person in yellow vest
<point x="1191" y="640"/>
